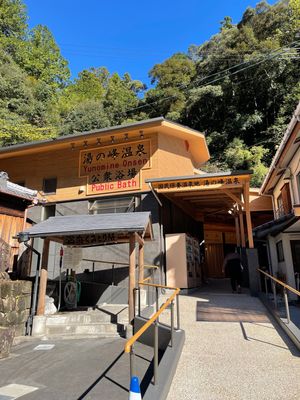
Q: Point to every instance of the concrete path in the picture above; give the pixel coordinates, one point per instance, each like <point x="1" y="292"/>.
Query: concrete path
<point x="90" y="369"/>
<point x="233" y="351"/>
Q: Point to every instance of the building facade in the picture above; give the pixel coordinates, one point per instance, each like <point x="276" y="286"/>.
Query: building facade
<point x="14" y="203"/>
<point x="152" y="165"/>
<point x="282" y="185"/>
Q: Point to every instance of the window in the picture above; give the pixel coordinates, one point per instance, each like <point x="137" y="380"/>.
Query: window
<point x="280" y="209"/>
<point x="49" y="185"/>
<point x="280" y="254"/>
<point x="48" y="211"/>
<point x="117" y="205"/>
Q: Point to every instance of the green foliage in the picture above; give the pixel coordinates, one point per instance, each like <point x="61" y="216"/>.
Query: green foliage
<point x="17" y="130"/>
<point x="41" y="58"/>
<point x="240" y="87"/>
<point x="85" y="117"/>
<point x="239" y="157"/>
<point x="13" y="18"/>
<point x="170" y="77"/>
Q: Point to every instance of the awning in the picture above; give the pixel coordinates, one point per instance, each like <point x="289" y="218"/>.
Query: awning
<point x="93" y="230"/>
<point x="205" y="194"/>
<point x="274" y="227"/>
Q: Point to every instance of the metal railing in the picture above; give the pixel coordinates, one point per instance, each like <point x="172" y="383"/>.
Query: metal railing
<point x="129" y="346"/>
<point x="285" y="289"/>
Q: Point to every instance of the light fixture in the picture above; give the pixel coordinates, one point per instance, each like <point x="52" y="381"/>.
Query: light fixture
<point x="23" y="237"/>
<point x="85" y="144"/>
<point x="126" y="136"/>
<point x="112" y="139"/>
<point x="81" y="189"/>
<point x="72" y="146"/>
<point x="98" y="141"/>
<point x="141" y="134"/>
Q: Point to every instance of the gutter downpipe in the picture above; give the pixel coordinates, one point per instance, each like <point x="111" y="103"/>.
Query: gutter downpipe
<point x="35" y="290"/>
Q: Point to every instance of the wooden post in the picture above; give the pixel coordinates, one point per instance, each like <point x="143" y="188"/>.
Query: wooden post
<point x="248" y="216"/>
<point x="241" y="216"/>
<point x="43" y="278"/>
<point x="237" y="230"/>
<point x="131" y="283"/>
<point x="141" y="262"/>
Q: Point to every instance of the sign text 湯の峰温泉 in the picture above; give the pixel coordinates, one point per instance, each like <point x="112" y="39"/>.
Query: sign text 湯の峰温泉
<point x="116" y="167"/>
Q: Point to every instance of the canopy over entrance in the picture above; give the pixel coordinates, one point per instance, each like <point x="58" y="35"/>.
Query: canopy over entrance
<point x="213" y="197"/>
<point x="94" y="230"/>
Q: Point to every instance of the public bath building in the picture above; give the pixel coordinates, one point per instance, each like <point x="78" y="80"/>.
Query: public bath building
<point x="153" y="165"/>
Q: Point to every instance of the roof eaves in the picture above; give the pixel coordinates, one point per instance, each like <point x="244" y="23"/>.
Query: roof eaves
<point x="202" y="176"/>
<point x="66" y="138"/>
<point x="286" y="136"/>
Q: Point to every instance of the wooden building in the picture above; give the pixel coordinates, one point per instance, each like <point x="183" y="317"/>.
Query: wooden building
<point x="14" y="202"/>
<point x="152" y="165"/>
<point x="279" y="239"/>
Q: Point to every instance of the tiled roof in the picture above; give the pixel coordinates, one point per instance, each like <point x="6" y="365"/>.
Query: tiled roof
<point x="15" y="190"/>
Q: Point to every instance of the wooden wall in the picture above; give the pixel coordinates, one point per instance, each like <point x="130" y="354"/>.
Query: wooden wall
<point x="9" y="226"/>
<point x="170" y="157"/>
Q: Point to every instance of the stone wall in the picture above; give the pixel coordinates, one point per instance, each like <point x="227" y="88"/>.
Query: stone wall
<point x="15" y="301"/>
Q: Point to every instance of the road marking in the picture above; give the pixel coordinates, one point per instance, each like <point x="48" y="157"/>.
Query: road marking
<point x="44" y="347"/>
<point x="14" y="391"/>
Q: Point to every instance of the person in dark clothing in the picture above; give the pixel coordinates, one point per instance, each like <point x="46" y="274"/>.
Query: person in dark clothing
<point x="233" y="268"/>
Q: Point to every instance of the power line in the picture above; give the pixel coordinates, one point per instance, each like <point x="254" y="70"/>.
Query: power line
<point x="225" y="74"/>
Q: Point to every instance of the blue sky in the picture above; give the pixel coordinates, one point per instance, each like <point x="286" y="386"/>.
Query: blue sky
<point x="130" y="36"/>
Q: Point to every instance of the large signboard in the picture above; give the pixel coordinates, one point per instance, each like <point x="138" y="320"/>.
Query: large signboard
<point x="200" y="183"/>
<point x="115" y="168"/>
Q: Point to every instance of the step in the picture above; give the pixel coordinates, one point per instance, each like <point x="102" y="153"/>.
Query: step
<point x="82" y="317"/>
<point x="76" y="329"/>
<point x="70" y="336"/>
<point x="118" y="312"/>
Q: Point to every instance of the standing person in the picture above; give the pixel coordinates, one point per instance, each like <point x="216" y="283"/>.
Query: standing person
<point x="233" y="267"/>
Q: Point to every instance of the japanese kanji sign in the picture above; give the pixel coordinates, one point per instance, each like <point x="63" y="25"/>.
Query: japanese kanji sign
<point x="115" y="168"/>
<point x="94" y="239"/>
<point x="197" y="183"/>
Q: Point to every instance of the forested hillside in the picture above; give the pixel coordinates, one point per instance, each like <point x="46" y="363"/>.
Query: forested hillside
<point x="240" y="87"/>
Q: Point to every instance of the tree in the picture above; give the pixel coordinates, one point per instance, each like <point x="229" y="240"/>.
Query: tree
<point x="13" y="19"/>
<point x="14" y="130"/>
<point x="40" y="58"/>
<point x="239" y="157"/>
<point x="85" y="117"/>
<point x="171" y="77"/>
<point x="121" y="95"/>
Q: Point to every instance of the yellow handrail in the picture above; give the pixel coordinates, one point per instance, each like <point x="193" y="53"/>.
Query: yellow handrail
<point x="279" y="282"/>
<point x="148" y="266"/>
<point x="135" y="337"/>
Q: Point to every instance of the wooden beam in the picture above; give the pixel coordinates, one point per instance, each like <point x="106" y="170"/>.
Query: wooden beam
<point x="237" y="230"/>
<point x="248" y="215"/>
<point x="233" y="197"/>
<point x="131" y="283"/>
<point x="242" y="229"/>
<point x="205" y="191"/>
<point x="140" y="241"/>
<point x="43" y="278"/>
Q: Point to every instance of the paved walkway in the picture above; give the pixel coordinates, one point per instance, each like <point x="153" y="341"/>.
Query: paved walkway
<point x="233" y="351"/>
<point x="89" y="369"/>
